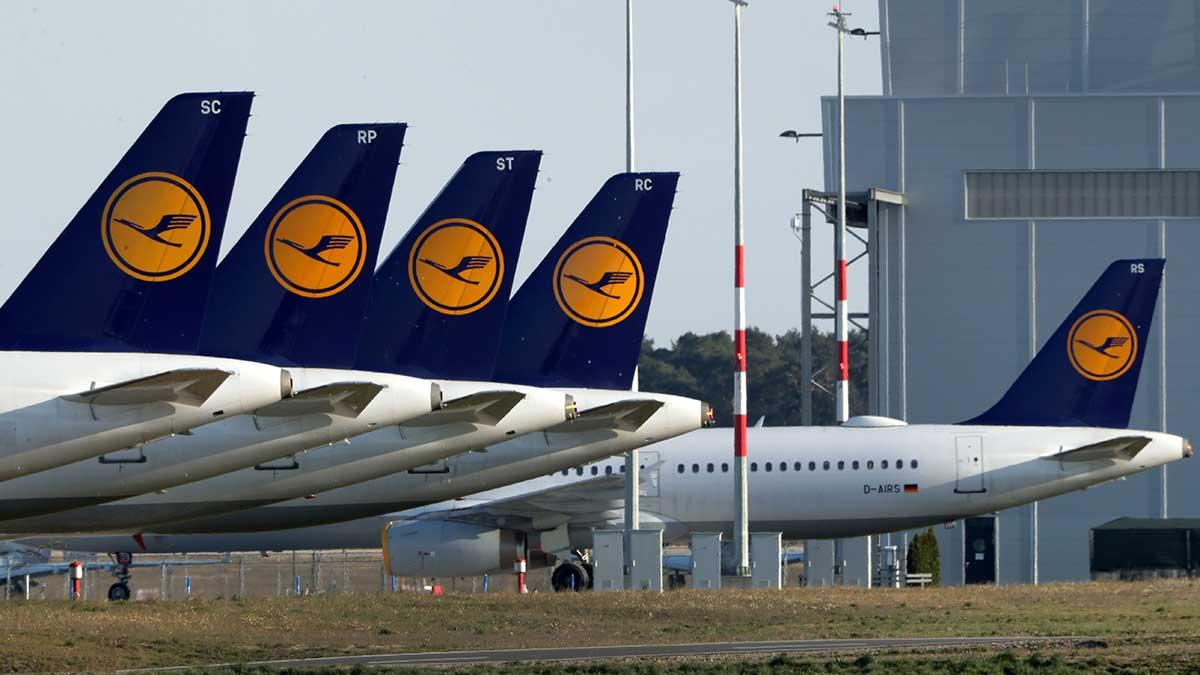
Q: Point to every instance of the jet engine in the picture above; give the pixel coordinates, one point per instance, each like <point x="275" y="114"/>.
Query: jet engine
<point x="436" y="548"/>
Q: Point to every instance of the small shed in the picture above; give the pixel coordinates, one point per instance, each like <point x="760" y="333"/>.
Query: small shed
<point x="1145" y="548"/>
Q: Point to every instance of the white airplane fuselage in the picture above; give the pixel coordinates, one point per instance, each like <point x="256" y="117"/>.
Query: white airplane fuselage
<point x="1016" y="468"/>
<point x="383" y="471"/>
<point x="230" y="444"/>
<point x="40" y="430"/>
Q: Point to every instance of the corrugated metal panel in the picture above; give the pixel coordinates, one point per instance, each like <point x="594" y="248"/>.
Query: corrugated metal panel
<point x="1082" y="194"/>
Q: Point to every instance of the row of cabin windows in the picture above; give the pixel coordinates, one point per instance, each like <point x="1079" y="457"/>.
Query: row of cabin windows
<point x="608" y="470"/>
<point x="799" y="466"/>
<point x="768" y="467"/>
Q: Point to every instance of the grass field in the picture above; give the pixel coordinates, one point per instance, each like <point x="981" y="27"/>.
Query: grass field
<point x="1139" y="625"/>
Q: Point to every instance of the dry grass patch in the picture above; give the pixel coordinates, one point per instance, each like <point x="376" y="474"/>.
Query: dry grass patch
<point x="101" y="636"/>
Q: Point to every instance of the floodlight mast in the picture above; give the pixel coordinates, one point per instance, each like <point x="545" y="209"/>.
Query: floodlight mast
<point x="633" y="488"/>
<point x="842" y="388"/>
<point x="741" y="529"/>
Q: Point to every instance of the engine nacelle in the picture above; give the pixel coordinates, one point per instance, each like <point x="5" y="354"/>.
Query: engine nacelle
<point x="432" y="548"/>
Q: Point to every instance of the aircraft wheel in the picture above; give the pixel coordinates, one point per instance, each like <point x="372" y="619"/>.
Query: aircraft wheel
<point x="570" y="576"/>
<point x="118" y="592"/>
<point x="591" y="573"/>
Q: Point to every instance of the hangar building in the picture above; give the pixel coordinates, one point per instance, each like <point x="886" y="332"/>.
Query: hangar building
<point x="1035" y="141"/>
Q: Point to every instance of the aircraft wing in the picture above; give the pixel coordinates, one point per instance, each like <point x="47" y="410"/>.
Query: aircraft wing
<point x="485" y="407"/>
<point x="591" y="501"/>
<point x="186" y="386"/>
<point x="1123" y="448"/>
<point x="627" y="415"/>
<point x="344" y="399"/>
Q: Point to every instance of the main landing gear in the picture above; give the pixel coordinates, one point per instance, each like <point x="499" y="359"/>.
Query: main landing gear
<point x="119" y="592"/>
<point x="572" y="575"/>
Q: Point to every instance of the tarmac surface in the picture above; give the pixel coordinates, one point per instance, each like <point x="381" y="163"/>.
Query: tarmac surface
<point x="629" y="651"/>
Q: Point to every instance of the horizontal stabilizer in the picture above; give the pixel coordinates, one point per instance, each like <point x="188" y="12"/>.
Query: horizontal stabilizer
<point x="628" y="415"/>
<point x="345" y="399"/>
<point x="1124" y="448"/>
<point x="186" y="386"/>
<point x="485" y="407"/>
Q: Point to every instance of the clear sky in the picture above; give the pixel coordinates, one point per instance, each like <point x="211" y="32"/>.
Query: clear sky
<point x="82" y="79"/>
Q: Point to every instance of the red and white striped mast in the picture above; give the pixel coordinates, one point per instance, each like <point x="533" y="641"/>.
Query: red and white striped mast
<point x="741" y="529"/>
<point x="842" y="387"/>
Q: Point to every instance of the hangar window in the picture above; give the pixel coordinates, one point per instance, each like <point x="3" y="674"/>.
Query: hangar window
<point x="1083" y="194"/>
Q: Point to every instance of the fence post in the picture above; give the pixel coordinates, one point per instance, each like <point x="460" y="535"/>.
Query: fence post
<point x="242" y="577"/>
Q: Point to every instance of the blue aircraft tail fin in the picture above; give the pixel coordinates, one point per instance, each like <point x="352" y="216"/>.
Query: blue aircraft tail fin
<point x="132" y="269"/>
<point x="293" y="290"/>
<point x="1087" y="373"/>
<point x="439" y="299"/>
<point x="578" y="320"/>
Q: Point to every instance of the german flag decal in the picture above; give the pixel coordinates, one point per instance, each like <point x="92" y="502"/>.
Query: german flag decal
<point x="911" y="487"/>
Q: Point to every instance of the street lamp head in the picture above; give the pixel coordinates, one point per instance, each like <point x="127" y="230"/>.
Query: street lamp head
<point x="797" y="135"/>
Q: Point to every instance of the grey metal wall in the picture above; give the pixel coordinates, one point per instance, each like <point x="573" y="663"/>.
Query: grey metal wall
<point x="1038" y="46"/>
<point x="964" y="304"/>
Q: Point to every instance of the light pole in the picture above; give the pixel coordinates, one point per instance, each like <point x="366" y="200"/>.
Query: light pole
<point x="633" y="488"/>
<point x="842" y="391"/>
<point x="741" y="530"/>
<point x="802" y="229"/>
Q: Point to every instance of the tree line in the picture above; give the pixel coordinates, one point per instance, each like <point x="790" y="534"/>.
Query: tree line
<point x="701" y="366"/>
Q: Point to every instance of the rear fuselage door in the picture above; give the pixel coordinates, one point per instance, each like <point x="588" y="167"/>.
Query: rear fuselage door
<point x="969" y="468"/>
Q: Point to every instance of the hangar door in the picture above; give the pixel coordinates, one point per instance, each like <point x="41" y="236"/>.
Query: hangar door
<point x="969" y="468"/>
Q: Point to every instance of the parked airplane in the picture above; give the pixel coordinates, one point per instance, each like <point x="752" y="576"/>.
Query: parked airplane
<point x="284" y="307"/>
<point x="403" y="334"/>
<point x="622" y="420"/>
<point x="95" y="341"/>
<point x="1059" y="428"/>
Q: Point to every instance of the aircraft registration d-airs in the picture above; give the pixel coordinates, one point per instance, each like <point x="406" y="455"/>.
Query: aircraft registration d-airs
<point x="97" y="343"/>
